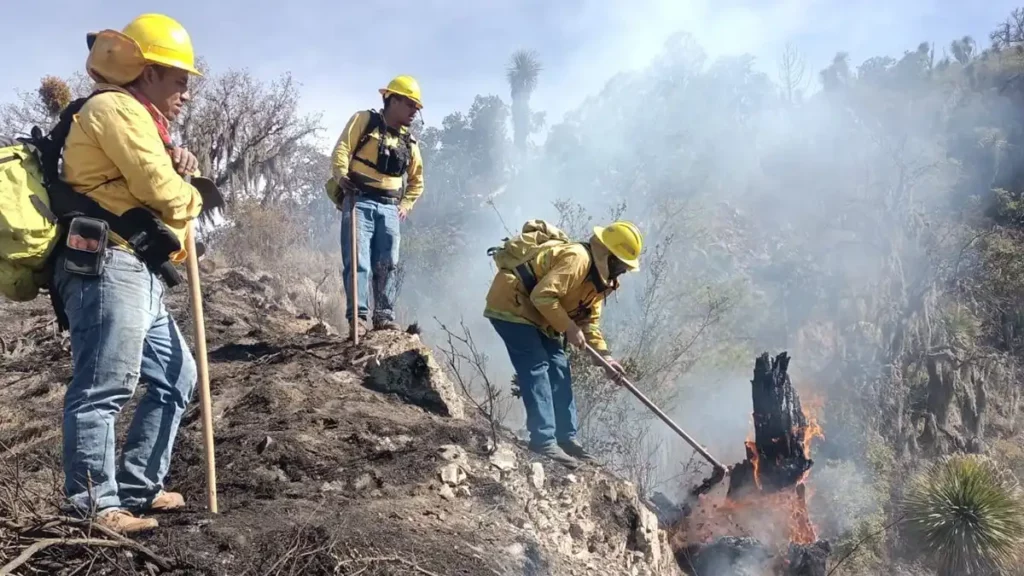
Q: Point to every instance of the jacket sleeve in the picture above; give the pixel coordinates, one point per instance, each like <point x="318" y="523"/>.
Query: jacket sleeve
<point x="130" y="139"/>
<point x="591" y="326"/>
<point x="347" y="144"/>
<point x="415" y="183"/>
<point x="568" y="271"/>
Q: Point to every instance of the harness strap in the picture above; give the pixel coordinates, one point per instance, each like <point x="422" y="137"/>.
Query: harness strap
<point x="530" y="280"/>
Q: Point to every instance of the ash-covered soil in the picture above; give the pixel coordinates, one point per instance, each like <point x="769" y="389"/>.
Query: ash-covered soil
<point x="331" y="459"/>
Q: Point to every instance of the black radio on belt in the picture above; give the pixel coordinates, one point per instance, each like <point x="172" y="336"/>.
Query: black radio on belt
<point x="87" y="245"/>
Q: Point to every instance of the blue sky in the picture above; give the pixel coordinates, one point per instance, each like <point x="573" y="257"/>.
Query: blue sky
<point x="341" y="52"/>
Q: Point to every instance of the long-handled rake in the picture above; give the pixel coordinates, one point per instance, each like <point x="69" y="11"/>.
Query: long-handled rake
<point x="719" y="470"/>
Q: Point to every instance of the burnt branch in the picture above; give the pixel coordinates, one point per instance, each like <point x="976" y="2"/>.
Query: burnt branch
<point x="468" y="366"/>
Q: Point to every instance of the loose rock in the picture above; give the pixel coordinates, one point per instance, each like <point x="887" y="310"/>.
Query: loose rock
<point x="503" y="459"/>
<point x="537" y="476"/>
<point x="363" y="482"/>
<point x="580" y="529"/>
<point x="264" y="444"/>
<point x="452" y="474"/>
<point x="408" y="369"/>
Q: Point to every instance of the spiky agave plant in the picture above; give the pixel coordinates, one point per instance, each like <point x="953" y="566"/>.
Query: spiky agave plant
<point x="967" y="514"/>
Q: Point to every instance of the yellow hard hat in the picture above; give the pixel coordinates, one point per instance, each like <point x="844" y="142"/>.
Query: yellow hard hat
<point x="404" y="86"/>
<point x="623" y="240"/>
<point x="163" y="41"/>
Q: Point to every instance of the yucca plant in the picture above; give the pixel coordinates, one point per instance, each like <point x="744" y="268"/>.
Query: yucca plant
<point x="967" y="515"/>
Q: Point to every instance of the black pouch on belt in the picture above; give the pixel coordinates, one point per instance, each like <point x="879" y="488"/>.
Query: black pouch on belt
<point x="86" y="246"/>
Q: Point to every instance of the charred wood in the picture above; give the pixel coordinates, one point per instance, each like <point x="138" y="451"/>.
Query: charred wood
<point x="777" y="457"/>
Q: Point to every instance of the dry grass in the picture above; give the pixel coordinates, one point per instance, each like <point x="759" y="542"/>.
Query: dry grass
<point x="276" y="239"/>
<point x="36" y="539"/>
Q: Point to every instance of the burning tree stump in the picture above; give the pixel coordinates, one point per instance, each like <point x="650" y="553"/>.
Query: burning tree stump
<point x="777" y="458"/>
<point x="761" y="525"/>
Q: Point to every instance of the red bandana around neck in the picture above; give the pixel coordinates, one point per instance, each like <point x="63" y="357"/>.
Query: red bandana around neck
<point x="162" y="125"/>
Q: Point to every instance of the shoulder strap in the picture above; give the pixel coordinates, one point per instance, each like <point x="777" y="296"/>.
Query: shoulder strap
<point x="51" y="146"/>
<point x="376" y="121"/>
<point x="530" y="280"/>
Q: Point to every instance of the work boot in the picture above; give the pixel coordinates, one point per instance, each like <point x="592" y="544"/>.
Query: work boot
<point x="574" y="449"/>
<point x="362" y="326"/>
<point x="555" y="453"/>
<point x="386" y="325"/>
<point x="167" y="502"/>
<point x="123" y="522"/>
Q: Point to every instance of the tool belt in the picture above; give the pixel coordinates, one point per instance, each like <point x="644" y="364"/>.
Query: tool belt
<point x="365" y="191"/>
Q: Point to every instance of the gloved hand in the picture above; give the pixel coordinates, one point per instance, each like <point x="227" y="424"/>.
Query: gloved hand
<point x="347" y="186"/>
<point x="575" y="336"/>
<point x="616" y="371"/>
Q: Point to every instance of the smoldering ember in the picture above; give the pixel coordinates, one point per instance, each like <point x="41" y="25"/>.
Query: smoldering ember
<point x="758" y="524"/>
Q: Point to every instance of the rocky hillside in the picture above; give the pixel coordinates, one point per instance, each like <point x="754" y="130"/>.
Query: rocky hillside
<point x="331" y="459"/>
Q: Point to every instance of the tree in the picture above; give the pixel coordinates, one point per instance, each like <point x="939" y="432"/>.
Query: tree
<point x="1010" y="32"/>
<point x="42" y="107"/>
<point x="963" y="49"/>
<point x="792" y="72"/>
<point x="245" y="133"/>
<point x="522" y="73"/>
<point x="837" y="74"/>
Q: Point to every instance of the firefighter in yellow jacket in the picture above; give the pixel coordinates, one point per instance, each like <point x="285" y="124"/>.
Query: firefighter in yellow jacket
<point x="373" y="154"/>
<point x="118" y="151"/>
<point x="571" y="282"/>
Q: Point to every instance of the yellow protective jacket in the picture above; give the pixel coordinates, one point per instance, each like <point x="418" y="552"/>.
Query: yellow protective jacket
<point x="114" y="155"/>
<point x="341" y="160"/>
<point x="565" y="293"/>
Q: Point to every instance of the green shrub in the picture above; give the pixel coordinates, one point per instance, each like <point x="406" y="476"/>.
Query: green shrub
<point x="967" y="515"/>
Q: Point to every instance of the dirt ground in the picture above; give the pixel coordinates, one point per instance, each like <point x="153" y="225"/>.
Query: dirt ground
<point x="319" y="471"/>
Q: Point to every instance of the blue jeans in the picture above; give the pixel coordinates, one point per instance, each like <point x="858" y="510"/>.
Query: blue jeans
<point x="120" y="332"/>
<point x="542" y="370"/>
<point x="378" y="239"/>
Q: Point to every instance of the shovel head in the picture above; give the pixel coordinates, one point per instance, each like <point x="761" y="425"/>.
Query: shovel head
<point x="213" y="201"/>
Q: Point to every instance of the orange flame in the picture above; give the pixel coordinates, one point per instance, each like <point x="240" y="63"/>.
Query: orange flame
<point x="750" y="513"/>
<point x="754" y="459"/>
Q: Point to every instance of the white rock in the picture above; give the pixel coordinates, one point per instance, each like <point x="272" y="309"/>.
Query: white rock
<point x="611" y="494"/>
<point x="646" y="535"/>
<point x="446" y="492"/>
<point x="537" y="475"/>
<point x="503" y="459"/>
<point x="565" y="544"/>
<point x="335" y="486"/>
<point x="452" y="474"/>
<point x="363" y="482"/>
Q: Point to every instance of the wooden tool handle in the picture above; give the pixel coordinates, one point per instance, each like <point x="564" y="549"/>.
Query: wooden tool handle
<point x="719" y="468"/>
<point x="196" y="294"/>
<point x="354" y="296"/>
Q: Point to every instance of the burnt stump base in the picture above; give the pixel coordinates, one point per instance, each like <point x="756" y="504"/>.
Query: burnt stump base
<point x="735" y="556"/>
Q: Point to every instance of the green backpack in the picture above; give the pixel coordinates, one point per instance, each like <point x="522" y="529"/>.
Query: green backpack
<point x="28" y="229"/>
<point x="516" y="253"/>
